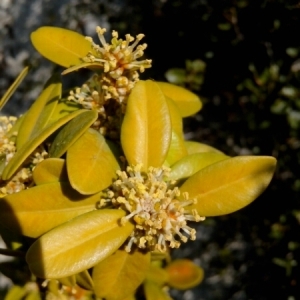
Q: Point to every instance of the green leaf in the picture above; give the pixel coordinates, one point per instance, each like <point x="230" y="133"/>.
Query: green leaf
<point x="229" y="185"/>
<point x="37" y="117"/>
<point x="191" y="164"/>
<point x="71" y="132"/>
<point x="196" y="147"/>
<point x="50" y="170"/>
<point x="146" y="129"/>
<point x="47" y="205"/>
<point x="119" y="275"/>
<point x="184" y="274"/>
<point x="90" y="155"/>
<point x="62" y="46"/>
<point x="23" y="153"/>
<point x="154" y="292"/>
<point x="78" y="244"/>
<point x="13" y="87"/>
<point x="187" y="102"/>
<point x="177" y="148"/>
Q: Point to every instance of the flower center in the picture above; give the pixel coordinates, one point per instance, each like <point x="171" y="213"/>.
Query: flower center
<point x="154" y="206"/>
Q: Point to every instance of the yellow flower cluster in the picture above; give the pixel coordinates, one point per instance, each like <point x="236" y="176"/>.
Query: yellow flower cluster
<point x="153" y="206"/>
<point x="23" y="178"/>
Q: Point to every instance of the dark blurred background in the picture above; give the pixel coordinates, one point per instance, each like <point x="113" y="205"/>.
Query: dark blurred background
<point x="242" y="58"/>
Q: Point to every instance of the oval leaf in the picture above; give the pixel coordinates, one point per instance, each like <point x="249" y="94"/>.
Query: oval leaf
<point x="50" y="170"/>
<point x="40" y="112"/>
<point x="146" y="129"/>
<point x="78" y="244"/>
<point x="47" y="205"/>
<point x="71" y="132"/>
<point x="90" y="154"/>
<point x="119" y="275"/>
<point x="32" y="144"/>
<point x="196" y="147"/>
<point x="229" y="185"/>
<point x="191" y="164"/>
<point x="62" y="46"/>
<point x="187" y="102"/>
<point x="184" y="274"/>
<point x="177" y="148"/>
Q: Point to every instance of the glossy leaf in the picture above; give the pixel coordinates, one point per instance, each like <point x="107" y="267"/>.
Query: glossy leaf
<point x="40" y="112"/>
<point x="91" y="165"/>
<point x="119" y="275"/>
<point x="146" y="129"/>
<point x="184" y="274"/>
<point x="50" y="170"/>
<point x="13" y="87"/>
<point x="229" y="185"/>
<point x="32" y="144"/>
<point x="195" y="147"/>
<point x="34" y="211"/>
<point x="187" y="102"/>
<point x="154" y="292"/>
<point x="71" y="132"/>
<point x="78" y="244"/>
<point x="62" y="46"/>
<point x="191" y="164"/>
<point x="177" y="148"/>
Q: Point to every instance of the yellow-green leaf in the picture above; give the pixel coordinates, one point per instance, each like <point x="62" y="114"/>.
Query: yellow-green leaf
<point x="13" y="87"/>
<point x="50" y="170"/>
<point x="187" y="102"/>
<point x="229" y="185"/>
<point x="68" y="281"/>
<point x="32" y="144"/>
<point x="34" y="211"/>
<point x="64" y="108"/>
<point x="78" y="244"/>
<point x="91" y="165"/>
<point x="146" y="129"/>
<point x="196" y="147"/>
<point x="157" y="274"/>
<point x="184" y="274"/>
<point x="84" y="280"/>
<point x="177" y="148"/>
<point x="71" y="132"/>
<point x="154" y="291"/>
<point x="62" y="46"/>
<point x="191" y="164"/>
<point x="120" y="274"/>
<point x="90" y="65"/>
<point x="40" y="112"/>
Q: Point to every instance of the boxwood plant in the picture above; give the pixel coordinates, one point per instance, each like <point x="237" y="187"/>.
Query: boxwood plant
<point x="98" y="185"/>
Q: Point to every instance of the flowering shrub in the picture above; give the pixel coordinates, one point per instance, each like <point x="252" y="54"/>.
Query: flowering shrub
<point x="98" y="186"/>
